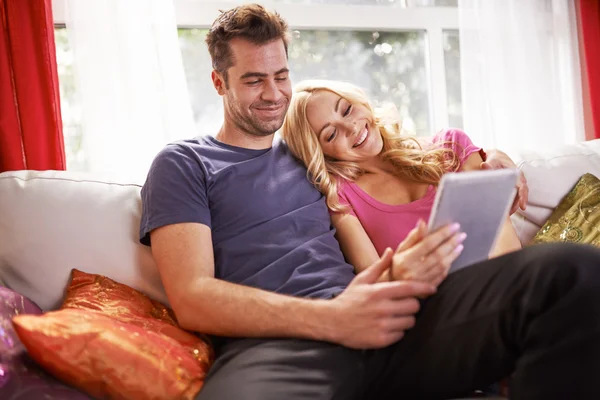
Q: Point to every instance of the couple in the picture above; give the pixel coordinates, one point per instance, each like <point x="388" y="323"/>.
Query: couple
<point x="246" y="252"/>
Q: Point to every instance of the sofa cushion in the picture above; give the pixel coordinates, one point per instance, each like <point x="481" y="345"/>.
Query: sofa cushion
<point x="20" y="377"/>
<point x="54" y="221"/>
<point x="551" y="174"/>
<point x="11" y="304"/>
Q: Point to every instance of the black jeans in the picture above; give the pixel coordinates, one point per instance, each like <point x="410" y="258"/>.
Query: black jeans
<point x="533" y="315"/>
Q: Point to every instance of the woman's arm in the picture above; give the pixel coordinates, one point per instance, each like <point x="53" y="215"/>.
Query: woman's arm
<point x="356" y="245"/>
<point x="420" y="256"/>
<point x="508" y="241"/>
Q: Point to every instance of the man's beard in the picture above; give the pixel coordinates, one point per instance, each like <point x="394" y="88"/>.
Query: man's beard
<point x="255" y="126"/>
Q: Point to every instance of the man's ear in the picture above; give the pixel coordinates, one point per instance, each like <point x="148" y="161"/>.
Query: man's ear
<point x="218" y="82"/>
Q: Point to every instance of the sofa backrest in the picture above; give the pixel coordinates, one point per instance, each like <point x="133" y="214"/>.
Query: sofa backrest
<point x="54" y="221"/>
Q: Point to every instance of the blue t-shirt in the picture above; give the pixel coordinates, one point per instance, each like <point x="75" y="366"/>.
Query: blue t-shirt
<point x="270" y="226"/>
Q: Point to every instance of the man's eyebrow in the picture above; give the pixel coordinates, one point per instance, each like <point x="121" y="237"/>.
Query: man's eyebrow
<point x="262" y="74"/>
<point x="337" y="105"/>
<point x="254" y="75"/>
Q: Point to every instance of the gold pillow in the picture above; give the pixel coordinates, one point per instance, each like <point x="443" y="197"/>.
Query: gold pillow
<point x="577" y="217"/>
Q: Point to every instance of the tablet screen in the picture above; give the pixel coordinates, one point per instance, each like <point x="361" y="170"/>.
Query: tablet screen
<point x="480" y="202"/>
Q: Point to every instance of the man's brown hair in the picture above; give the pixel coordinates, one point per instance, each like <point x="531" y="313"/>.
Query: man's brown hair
<point x="251" y="22"/>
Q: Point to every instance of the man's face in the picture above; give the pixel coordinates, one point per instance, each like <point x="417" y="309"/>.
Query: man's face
<point x="259" y="88"/>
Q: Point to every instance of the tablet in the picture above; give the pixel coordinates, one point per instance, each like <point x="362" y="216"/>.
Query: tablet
<point x="480" y="202"/>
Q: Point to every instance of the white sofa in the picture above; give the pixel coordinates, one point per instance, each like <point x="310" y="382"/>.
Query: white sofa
<point x="51" y="222"/>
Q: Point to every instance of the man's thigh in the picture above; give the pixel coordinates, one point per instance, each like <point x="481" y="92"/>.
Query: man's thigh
<point x="485" y="317"/>
<point x="256" y="369"/>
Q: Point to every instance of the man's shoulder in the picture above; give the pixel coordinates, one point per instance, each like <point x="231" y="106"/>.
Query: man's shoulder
<point x="283" y="151"/>
<point x="207" y="146"/>
<point x="211" y="156"/>
<point x="199" y="146"/>
<point x="202" y="152"/>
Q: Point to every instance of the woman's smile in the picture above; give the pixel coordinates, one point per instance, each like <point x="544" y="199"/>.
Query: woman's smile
<point x="362" y="138"/>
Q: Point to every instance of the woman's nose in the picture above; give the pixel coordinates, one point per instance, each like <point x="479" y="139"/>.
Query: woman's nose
<point x="350" y="127"/>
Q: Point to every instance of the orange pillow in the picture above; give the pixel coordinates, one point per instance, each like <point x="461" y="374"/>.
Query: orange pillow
<point x="125" y="304"/>
<point x="109" y="359"/>
<point x="114" y="342"/>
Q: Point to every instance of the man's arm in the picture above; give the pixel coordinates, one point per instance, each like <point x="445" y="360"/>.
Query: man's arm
<point x="184" y="255"/>
<point x="366" y="315"/>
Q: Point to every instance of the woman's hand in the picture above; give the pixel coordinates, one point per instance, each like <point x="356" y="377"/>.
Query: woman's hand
<point x="427" y="257"/>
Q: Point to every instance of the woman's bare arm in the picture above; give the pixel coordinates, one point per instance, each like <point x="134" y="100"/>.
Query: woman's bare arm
<point x="508" y="241"/>
<point x="356" y="245"/>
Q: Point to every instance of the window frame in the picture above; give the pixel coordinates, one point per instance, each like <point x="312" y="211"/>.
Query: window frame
<point x="432" y="20"/>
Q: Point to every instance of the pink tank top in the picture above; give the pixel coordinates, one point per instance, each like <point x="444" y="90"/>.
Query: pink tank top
<point x="387" y="225"/>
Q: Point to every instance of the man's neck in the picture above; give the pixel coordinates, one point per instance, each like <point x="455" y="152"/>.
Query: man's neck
<point x="234" y="136"/>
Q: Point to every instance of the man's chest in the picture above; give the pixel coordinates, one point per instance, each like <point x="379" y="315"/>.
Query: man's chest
<point x="253" y="193"/>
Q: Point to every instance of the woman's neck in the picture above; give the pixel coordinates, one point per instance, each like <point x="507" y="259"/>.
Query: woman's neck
<point x="377" y="165"/>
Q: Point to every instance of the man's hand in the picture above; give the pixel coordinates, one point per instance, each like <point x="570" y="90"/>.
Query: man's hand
<point x="373" y="315"/>
<point x="497" y="159"/>
<point x="427" y="257"/>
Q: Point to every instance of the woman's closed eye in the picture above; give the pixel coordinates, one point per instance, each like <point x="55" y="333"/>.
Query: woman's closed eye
<point x="346" y="113"/>
<point x="331" y="136"/>
<point x="348" y="110"/>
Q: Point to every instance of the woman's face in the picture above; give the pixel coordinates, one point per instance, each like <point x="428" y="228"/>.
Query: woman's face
<point x="344" y="130"/>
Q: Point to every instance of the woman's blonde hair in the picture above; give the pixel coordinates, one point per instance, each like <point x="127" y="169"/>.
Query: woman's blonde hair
<point x="404" y="152"/>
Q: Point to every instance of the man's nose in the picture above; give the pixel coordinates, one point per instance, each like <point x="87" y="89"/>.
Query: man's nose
<point x="271" y="92"/>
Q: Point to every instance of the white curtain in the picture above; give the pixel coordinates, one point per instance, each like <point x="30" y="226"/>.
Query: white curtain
<point x="521" y="80"/>
<point x="129" y="81"/>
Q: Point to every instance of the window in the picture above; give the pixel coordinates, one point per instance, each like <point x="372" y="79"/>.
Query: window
<point x="390" y="66"/>
<point x="453" y="82"/>
<point x="408" y="54"/>
<point x="69" y="105"/>
<point x="393" y="3"/>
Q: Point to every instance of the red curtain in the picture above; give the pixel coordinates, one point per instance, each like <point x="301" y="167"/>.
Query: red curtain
<point x="30" y="121"/>
<point x="589" y="21"/>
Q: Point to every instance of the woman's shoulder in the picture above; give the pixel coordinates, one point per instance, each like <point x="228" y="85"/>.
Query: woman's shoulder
<point x="454" y="135"/>
<point x="343" y="185"/>
<point x="452" y="138"/>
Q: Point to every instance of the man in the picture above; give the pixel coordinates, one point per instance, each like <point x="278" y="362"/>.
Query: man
<point x="246" y="252"/>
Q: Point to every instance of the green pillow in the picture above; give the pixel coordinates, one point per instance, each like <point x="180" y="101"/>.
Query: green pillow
<point x="577" y="217"/>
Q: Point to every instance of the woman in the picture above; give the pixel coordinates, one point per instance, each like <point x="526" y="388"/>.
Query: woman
<point x="378" y="183"/>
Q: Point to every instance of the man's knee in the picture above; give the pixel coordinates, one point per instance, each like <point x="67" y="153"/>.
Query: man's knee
<point x="577" y="260"/>
<point x="283" y="369"/>
<point x="562" y="268"/>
